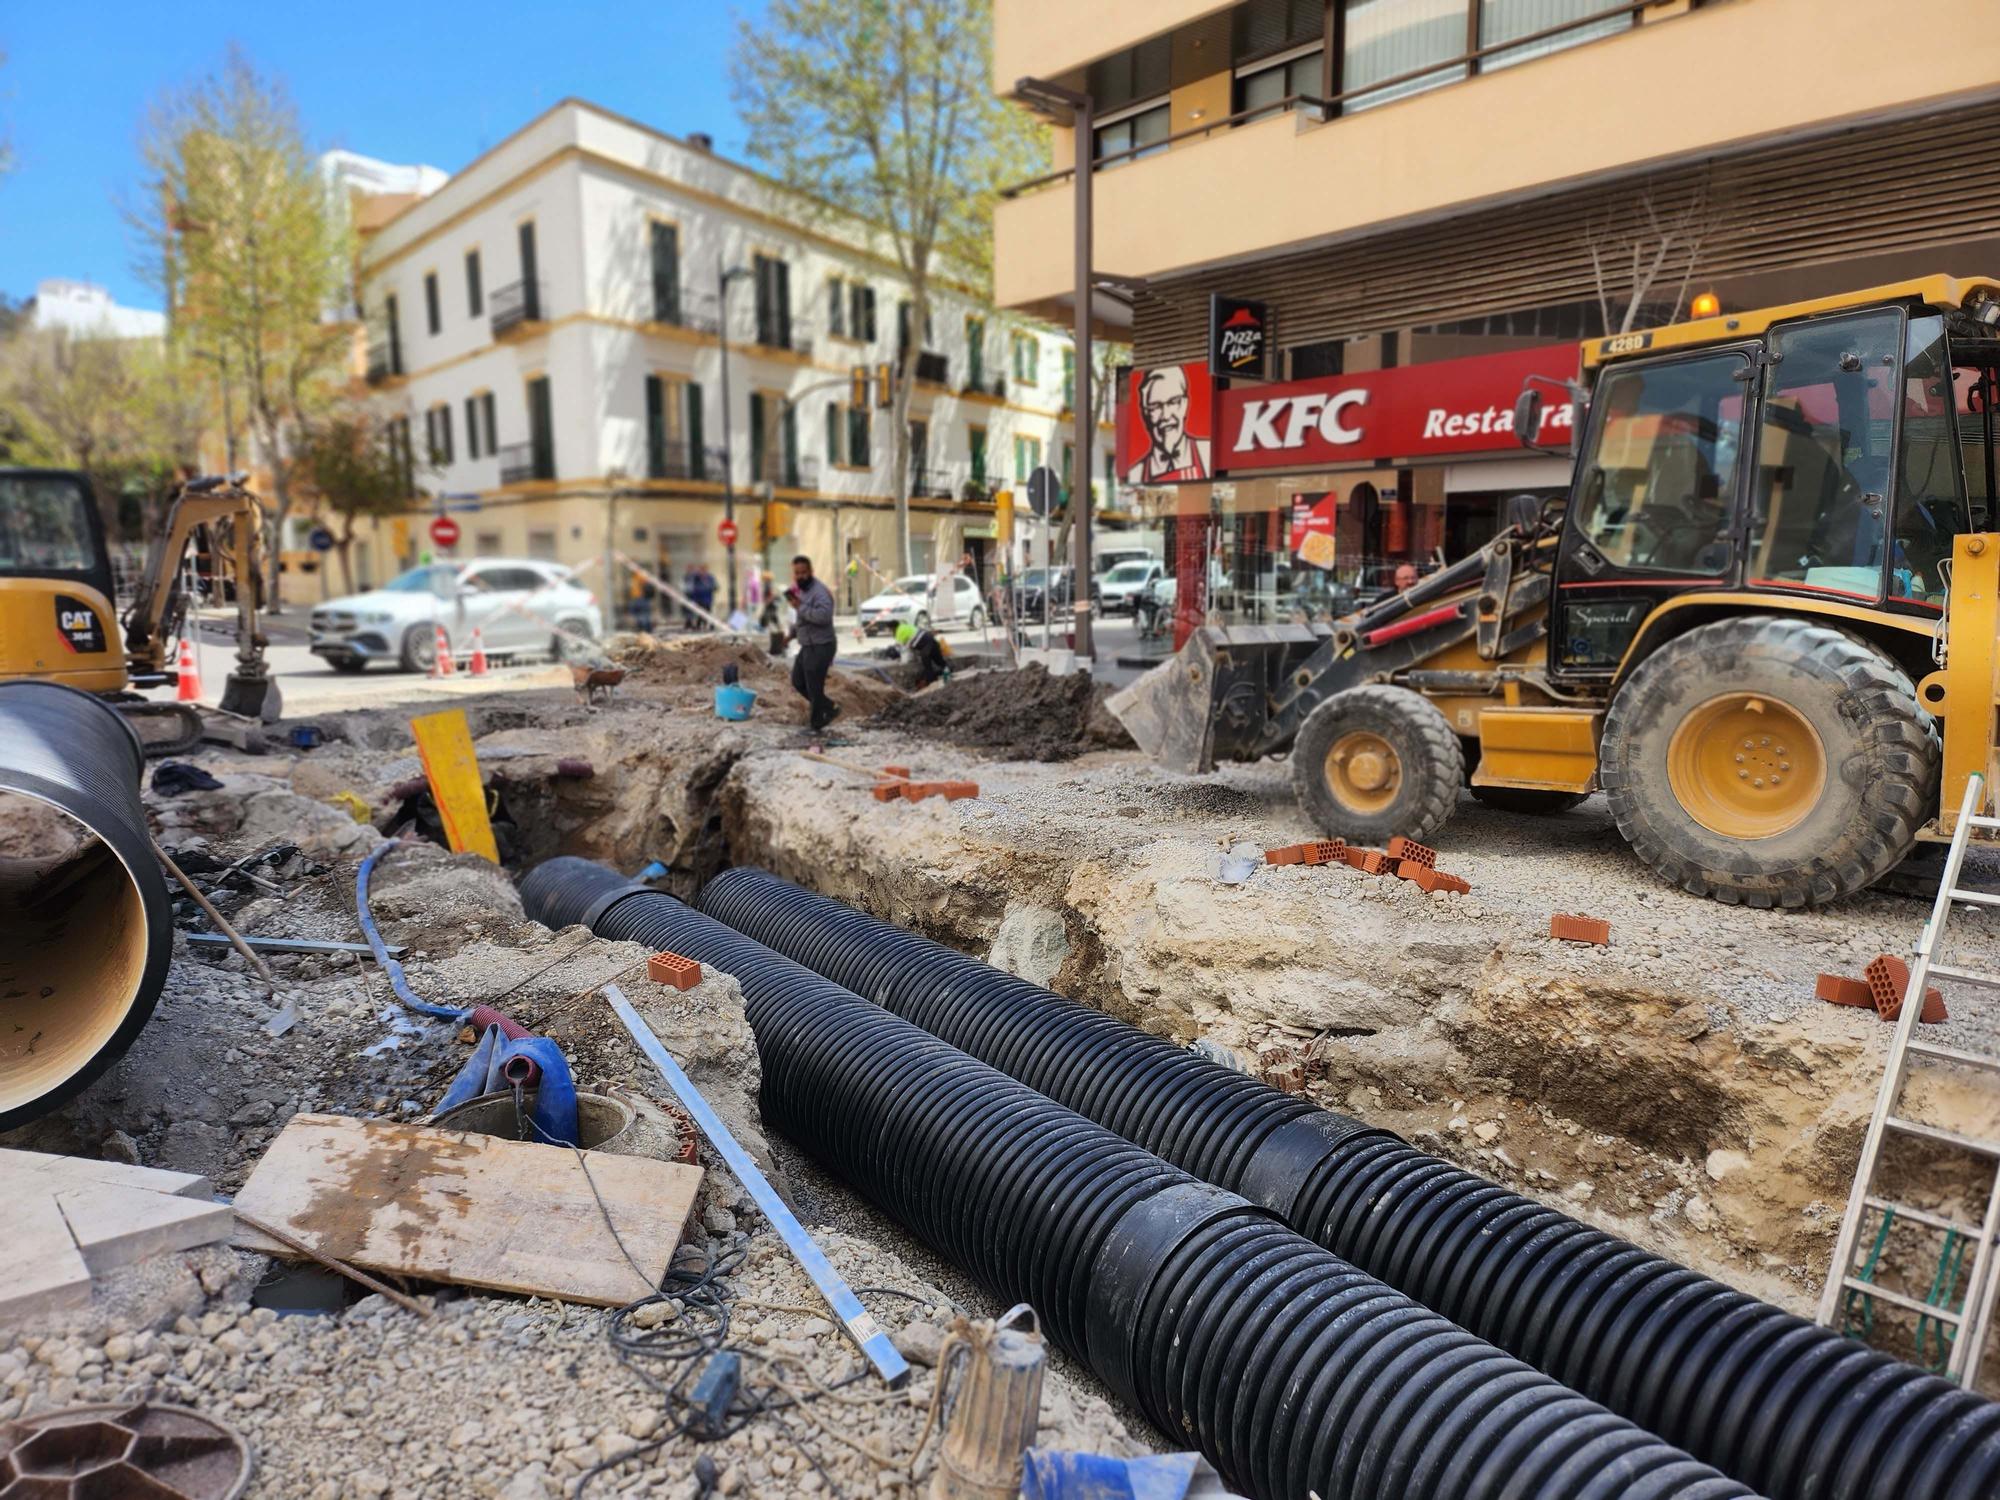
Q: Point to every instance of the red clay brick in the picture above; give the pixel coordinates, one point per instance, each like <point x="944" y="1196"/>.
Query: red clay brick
<point x="1401" y="848"/>
<point x="954" y="791"/>
<point x="1580" y="929"/>
<point x="671" y="968"/>
<point x="1319" y="852"/>
<point x="1838" y="989"/>
<point x="902" y="771"/>
<point x="887" y="791"/>
<point x="1431" y="880"/>
<point x="1375" y="862"/>
<point x="1889" y="979"/>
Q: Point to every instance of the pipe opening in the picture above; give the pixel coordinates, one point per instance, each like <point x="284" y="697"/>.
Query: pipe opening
<point x="73" y="947"/>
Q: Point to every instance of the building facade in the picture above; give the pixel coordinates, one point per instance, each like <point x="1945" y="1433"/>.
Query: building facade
<point x="1425" y="202"/>
<point x="546" y="335"/>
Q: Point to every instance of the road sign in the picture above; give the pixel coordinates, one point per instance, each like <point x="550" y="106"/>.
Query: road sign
<point x="444" y="531"/>
<point x="726" y="533"/>
<point x="1044" y="491"/>
<point x="321" y="539"/>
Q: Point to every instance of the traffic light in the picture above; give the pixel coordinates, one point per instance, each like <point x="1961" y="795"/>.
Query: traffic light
<point x="857" y="397"/>
<point x="777" y="521"/>
<point x="1003" y="516"/>
<point x="885" y="386"/>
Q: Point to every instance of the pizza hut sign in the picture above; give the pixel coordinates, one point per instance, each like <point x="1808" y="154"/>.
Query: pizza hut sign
<point x="1418" y="411"/>
<point x="1239" y="337"/>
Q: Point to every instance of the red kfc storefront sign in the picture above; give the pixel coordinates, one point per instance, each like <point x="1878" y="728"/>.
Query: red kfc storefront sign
<point x="1439" y="410"/>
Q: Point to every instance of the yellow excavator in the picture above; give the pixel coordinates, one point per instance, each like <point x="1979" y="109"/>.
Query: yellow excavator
<point x="58" y="619"/>
<point x="1765" y="623"/>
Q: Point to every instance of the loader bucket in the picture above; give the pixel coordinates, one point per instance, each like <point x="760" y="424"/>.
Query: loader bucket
<point x="1169" y="712"/>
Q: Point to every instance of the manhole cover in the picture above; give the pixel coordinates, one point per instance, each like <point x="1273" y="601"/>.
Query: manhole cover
<point x="142" y="1452"/>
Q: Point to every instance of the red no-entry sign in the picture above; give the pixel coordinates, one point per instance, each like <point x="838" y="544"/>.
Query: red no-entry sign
<point x="726" y="531"/>
<point x="444" y="531"/>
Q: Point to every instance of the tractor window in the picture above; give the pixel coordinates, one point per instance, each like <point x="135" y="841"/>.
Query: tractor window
<point x="1659" y="487"/>
<point x="1930" y="504"/>
<point x="44" y="527"/>
<point x="1824" y="455"/>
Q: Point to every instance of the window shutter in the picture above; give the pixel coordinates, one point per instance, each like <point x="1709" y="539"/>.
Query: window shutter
<point x="486" y="409"/>
<point x="666" y="273"/>
<point x="697" y="452"/>
<point x="790" y="421"/>
<point x="433" y="313"/>
<point x="832" y="433"/>
<point x="758" y="445"/>
<point x="656" y="429"/>
<point x="475" y="295"/>
<point x="836" y="307"/>
<point x="444" y="431"/>
<point x="781" y="278"/>
<point x="472" y="427"/>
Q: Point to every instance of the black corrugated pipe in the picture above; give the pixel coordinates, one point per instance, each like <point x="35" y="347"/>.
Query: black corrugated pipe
<point x="1796" y="1410"/>
<point x="85" y="926"/>
<point x="1293" y="1372"/>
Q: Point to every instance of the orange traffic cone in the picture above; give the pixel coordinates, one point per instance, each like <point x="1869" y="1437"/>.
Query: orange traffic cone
<point x="477" y="666"/>
<point x="442" y="666"/>
<point x="189" y="688"/>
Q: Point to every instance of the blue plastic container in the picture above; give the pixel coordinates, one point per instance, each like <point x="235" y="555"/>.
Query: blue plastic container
<point x="734" y="701"/>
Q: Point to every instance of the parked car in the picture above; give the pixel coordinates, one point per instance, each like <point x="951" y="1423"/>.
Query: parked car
<point x="1117" y="591"/>
<point x="1038" y="582"/>
<point x="920" y="600"/>
<point x="516" y="604"/>
<point x="1106" y="555"/>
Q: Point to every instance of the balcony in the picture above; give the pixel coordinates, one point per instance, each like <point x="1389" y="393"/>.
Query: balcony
<point x="935" y="481"/>
<point x="523" y="462"/>
<point x="991" y="381"/>
<point x="1505" y="135"/>
<point x="515" y="310"/>
<point x="385" y="362"/>
<point x="685" y="308"/>
<point x="981" y="484"/>
<point x="933" y="369"/>
<point x="680" y="460"/>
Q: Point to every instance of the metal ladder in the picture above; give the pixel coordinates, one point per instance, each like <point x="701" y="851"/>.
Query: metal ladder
<point x="1972" y="1320"/>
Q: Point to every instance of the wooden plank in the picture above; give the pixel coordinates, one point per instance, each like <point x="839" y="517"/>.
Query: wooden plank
<point x="75" y="1171"/>
<point x="41" y="1270"/>
<point x="444" y="743"/>
<point x="121" y="1226"/>
<point x="476" y="1210"/>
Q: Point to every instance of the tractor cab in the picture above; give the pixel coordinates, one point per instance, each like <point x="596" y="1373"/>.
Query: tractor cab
<point x="56" y="616"/>
<point x="1823" y="456"/>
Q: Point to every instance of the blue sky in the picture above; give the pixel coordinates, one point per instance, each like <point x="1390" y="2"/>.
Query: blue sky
<point x="414" y="81"/>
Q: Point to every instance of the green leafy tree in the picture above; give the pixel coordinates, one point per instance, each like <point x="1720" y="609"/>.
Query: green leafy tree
<point x="246" y="243"/>
<point x="882" y="111"/>
<point x="351" y="470"/>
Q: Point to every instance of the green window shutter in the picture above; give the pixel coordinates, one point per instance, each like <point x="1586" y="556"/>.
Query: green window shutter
<point x="656" y="428"/>
<point x="666" y="273"/>
<point x="832" y="433"/>
<point x="697" y="452"/>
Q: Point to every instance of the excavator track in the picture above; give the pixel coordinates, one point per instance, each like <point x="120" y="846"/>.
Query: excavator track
<point x="164" y="728"/>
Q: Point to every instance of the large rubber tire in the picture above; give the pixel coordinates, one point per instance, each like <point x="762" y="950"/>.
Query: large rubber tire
<point x="976" y="620"/>
<point x="1516" y="799"/>
<point x="1877" y="746"/>
<point x="1428" y="766"/>
<point x="563" y="649"/>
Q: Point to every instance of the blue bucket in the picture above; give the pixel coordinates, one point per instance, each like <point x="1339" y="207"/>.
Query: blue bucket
<point x="734" y="701"/>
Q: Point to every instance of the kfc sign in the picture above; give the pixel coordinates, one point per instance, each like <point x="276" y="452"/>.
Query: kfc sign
<point x="1419" y="411"/>
<point x="1164" y="433"/>
<point x="1239" y="338"/>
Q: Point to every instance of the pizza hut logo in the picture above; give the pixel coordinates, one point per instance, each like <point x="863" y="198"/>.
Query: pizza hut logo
<point x="1239" y="341"/>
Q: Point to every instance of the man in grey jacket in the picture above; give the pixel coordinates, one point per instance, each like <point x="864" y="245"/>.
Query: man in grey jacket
<point x="813" y="602"/>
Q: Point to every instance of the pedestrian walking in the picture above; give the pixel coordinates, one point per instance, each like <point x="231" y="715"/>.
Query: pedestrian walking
<point x="812" y="605"/>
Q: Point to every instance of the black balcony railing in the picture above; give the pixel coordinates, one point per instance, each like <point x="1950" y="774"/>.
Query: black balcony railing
<point x="514" y="305"/>
<point x="692" y="310"/>
<point x="521" y="462"/>
<point x="981" y="485"/>
<point x="987" y="384"/>
<point x="935" y="481"/>
<point x="680" y="460"/>
<point x="933" y="368"/>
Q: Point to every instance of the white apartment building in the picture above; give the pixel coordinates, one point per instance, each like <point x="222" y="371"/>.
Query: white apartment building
<point x="548" y="325"/>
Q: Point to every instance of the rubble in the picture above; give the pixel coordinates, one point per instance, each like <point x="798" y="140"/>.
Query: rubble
<point x="1023" y="715"/>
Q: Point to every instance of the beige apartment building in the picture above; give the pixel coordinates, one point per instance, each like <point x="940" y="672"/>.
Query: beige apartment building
<point x="1418" y="204"/>
<point x="547" y="331"/>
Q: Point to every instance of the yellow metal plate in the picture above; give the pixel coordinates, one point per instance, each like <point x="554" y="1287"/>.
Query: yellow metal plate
<point x="1543" y="749"/>
<point x="444" y="741"/>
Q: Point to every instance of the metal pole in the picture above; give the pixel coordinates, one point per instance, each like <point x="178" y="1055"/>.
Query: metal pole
<point x="1086" y="429"/>
<point x="612" y="578"/>
<point x="722" y="279"/>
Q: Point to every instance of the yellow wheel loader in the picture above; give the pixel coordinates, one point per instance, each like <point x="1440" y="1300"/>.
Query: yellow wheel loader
<point x="58" y="621"/>
<point x="1764" y="623"/>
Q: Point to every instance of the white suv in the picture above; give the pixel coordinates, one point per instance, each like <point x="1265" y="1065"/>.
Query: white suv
<point x="516" y="604"/>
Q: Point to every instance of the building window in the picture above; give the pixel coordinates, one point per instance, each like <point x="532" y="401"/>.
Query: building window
<point x="666" y="272"/>
<point x="394" y="320"/>
<point x="833" y="434"/>
<point x="975" y="354"/>
<point x="1141" y="133"/>
<point x="1143" y="72"/>
<point x="486" y="415"/>
<point x="788" y="443"/>
<point x="774" y="302"/>
<point x="433" y="311"/>
<point x="697" y="454"/>
<point x="1389" y="38"/>
<point x="1504" y="20"/>
<point x="531" y="273"/>
<point x="437" y="430"/>
<point x="1265" y="85"/>
<point x="475" y="296"/>
<point x="975" y="442"/>
<point x="1027" y="359"/>
<point x="857" y="438"/>
<point x="760" y="447"/>
<point x="1027" y="458"/>
<point x="472" y="449"/>
<point x="486" y="544"/>
<point x="1263" y="28"/>
<point x="541" y="428"/>
<point x="836" y="307"/>
<point x="399" y="450"/>
<point x="861" y="312"/>
<point x="542" y="545"/>
<point x="1069" y="379"/>
<point x="666" y="444"/>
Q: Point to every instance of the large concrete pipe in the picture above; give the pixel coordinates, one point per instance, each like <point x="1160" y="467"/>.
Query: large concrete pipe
<point x="85" y="928"/>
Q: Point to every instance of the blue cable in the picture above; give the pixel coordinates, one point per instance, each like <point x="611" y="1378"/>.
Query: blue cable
<point x="394" y="970"/>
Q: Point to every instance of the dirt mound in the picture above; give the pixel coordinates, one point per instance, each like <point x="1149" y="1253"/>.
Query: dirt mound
<point x="1023" y="715"/>
<point x="694" y="663"/>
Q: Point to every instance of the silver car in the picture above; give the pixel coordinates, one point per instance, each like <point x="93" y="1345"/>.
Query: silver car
<point x="518" y="606"/>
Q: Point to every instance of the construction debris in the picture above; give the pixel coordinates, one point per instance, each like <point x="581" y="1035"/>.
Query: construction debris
<point x="1889" y="981"/>
<point x="447" y="1206"/>
<point x="1580" y="929"/>
<point x="672" y="969"/>
<point x="1021" y="715"/>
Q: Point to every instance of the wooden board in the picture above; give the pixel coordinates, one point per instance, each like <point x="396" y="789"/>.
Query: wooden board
<point x="70" y="1217"/>
<point x="476" y="1210"/>
<point x="444" y="743"/>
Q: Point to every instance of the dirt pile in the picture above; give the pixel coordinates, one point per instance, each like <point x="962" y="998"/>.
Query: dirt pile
<point x="1024" y="715"/>
<point x="685" y="672"/>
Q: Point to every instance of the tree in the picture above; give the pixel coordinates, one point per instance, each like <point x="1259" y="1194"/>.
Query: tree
<point x="348" y="465"/>
<point x="1637" y="245"/>
<point x="882" y="112"/>
<point x="248" y="246"/>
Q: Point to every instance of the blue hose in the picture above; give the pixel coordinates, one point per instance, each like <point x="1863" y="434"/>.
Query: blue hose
<point x="394" y="970"/>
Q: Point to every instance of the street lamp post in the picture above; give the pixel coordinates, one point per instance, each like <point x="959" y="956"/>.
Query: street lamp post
<point x="1080" y="110"/>
<point x="723" y="277"/>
